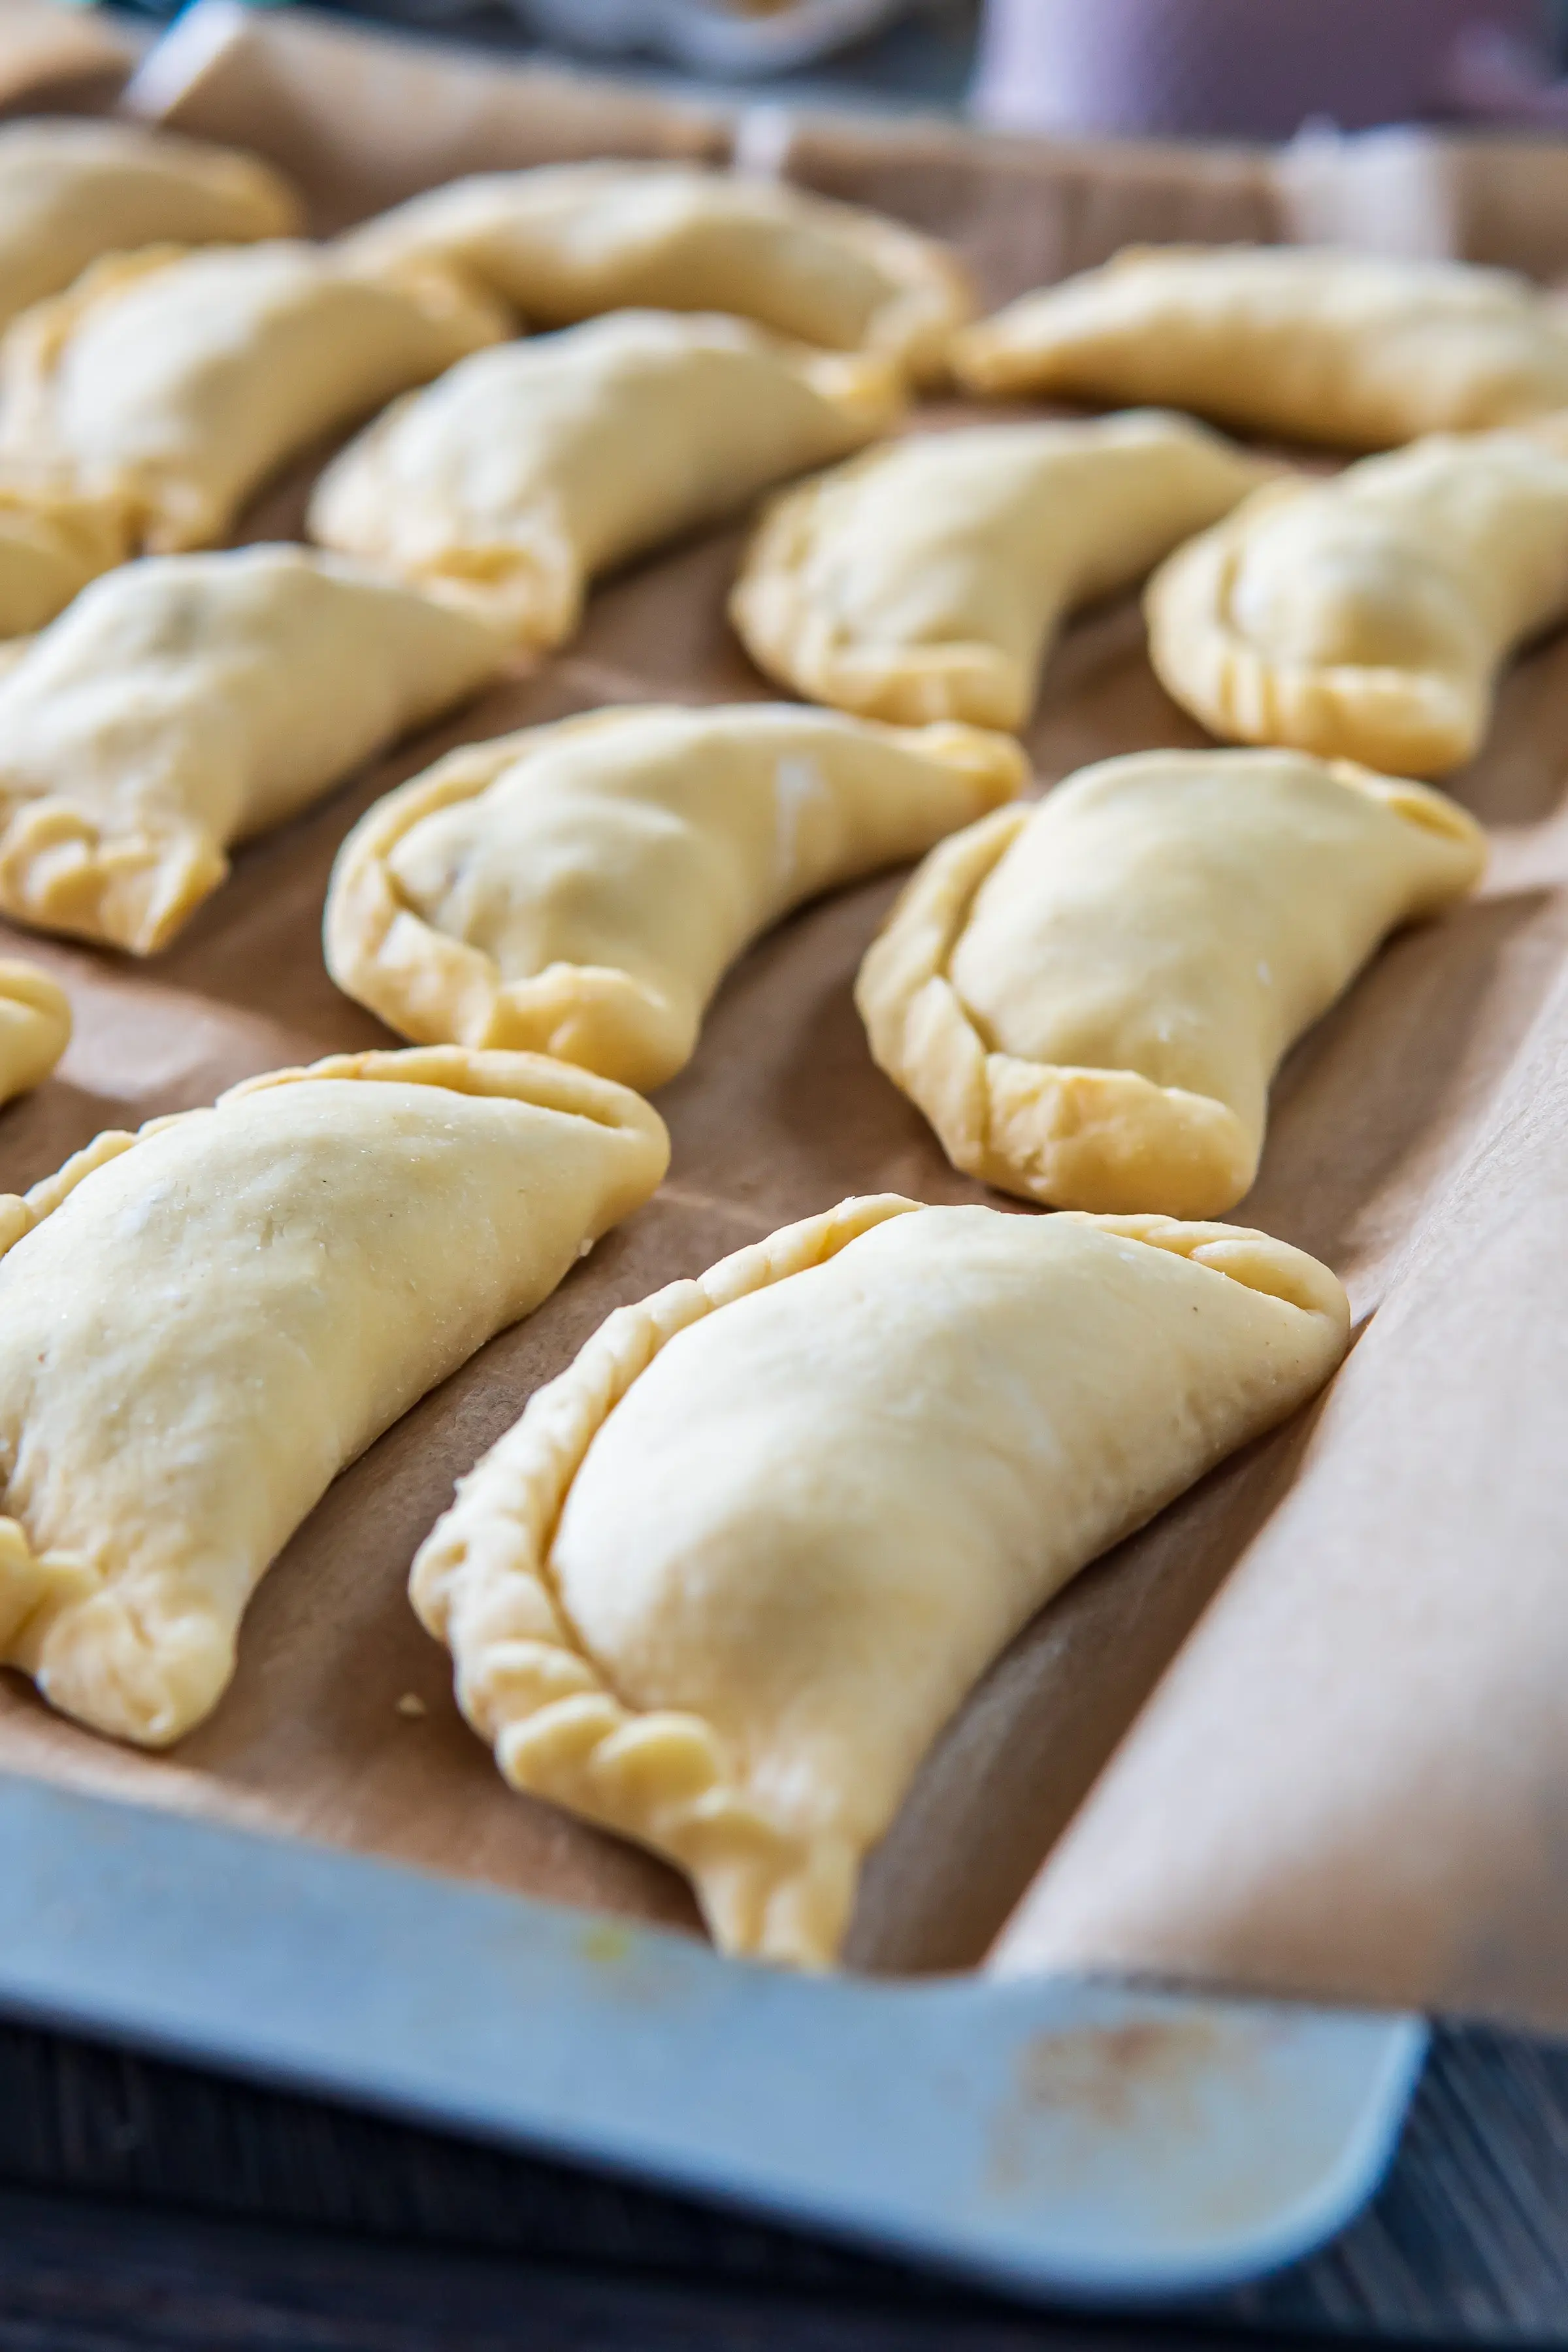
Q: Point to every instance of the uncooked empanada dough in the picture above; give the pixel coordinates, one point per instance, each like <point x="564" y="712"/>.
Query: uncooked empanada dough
<point x="201" y="1325"/>
<point x="1088" y="998"/>
<point x="1350" y="349"/>
<point x="723" y="1584"/>
<point x="177" y="383"/>
<point x="528" y="469"/>
<point x="1367" y="617"/>
<point x="581" y="889"/>
<point x="50" y="547"/>
<point x="70" y="192"/>
<point x="927" y="579"/>
<point x="35" y="1026"/>
<point x="185" y="702"/>
<point x="569" y="240"/>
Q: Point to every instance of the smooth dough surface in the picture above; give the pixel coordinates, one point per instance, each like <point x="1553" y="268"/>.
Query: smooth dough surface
<point x="528" y="470"/>
<point x="723" y="1584"/>
<point x="35" y="1026"/>
<point x="177" y="383"/>
<point x="927" y="579"/>
<point x="568" y="240"/>
<point x="70" y="192"/>
<point x="1350" y="349"/>
<point x="1367" y="617"/>
<point x="186" y="702"/>
<point x="50" y="547"/>
<point x="1088" y="998"/>
<point x="201" y="1325"/>
<point x="581" y="889"/>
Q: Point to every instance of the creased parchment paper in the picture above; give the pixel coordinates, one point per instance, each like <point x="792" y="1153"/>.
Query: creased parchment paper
<point x="340" y="1726"/>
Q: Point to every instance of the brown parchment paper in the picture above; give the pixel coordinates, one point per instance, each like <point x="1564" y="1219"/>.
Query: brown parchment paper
<point x="780" y="1111"/>
<point x="60" y="57"/>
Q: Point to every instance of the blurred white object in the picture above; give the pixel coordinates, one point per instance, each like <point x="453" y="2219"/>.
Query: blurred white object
<point x="707" y="37"/>
<point x="1254" y="69"/>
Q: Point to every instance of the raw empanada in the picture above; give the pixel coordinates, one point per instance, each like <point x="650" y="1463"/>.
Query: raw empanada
<point x="201" y="1325"/>
<point x="35" y="1026"/>
<point x="185" y="702"/>
<point x="927" y="579"/>
<point x="1344" y="348"/>
<point x="70" y="192"/>
<point x="566" y="241"/>
<point x="177" y="383"/>
<point x="50" y="547"/>
<point x="581" y="889"/>
<point x="723" y="1584"/>
<point x="1367" y="616"/>
<point x="527" y="470"/>
<point x="1088" y="998"/>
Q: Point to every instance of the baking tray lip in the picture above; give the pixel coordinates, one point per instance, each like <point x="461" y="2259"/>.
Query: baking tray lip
<point x="1083" y="2139"/>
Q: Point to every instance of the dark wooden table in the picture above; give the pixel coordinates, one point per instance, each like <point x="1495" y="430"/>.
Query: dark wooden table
<point x="151" y="2205"/>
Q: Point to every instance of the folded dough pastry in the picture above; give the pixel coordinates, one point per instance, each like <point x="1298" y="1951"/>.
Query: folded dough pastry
<point x="1348" y="349"/>
<point x="35" y="1026"/>
<point x="723" y="1584"/>
<point x="927" y="579"/>
<point x="177" y="383"/>
<point x="581" y="889"/>
<point x="201" y="1324"/>
<point x="1368" y="616"/>
<point x="185" y="702"/>
<point x="566" y="241"/>
<point x="528" y="469"/>
<point x="50" y="547"/>
<point x="70" y="192"/>
<point x="1088" y="998"/>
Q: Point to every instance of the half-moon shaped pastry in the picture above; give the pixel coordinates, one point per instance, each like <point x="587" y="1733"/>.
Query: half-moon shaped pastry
<point x="177" y="383"/>
<point x="927" y="579"/>
<point x="1088" y="998"/>
<point x="50" y="547"/>
<point x="186" y="702"/>
<point x="1348" y="349"/>
<point x="569" y="240"/>
<point x="512" y="482"/>
<point x="581" y="889"/>
<point x="35" y="1026"/>
<point x="1367" y="617"/>
<point x="723" y="1584"/>
<point x="201" y="1325"/>
<point x="72" y="191"/>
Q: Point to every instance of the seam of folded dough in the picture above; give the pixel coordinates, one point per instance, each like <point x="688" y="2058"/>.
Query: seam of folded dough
<point x="37" y="1589"/>
<point x="1095" y="1139"/>
<point x="1495" y="570"/>
<point x="483" y="1584"/>
<point x="34" y="1030"/>
<point x="871" y="586"/>
<point x="426" y="984"/>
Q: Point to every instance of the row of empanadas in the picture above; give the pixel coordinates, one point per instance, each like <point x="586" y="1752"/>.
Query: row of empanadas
<point x="581" y="889"/>
<point x="927" y="579"/>
<point x="524" y="471"/>
<point x="184" y="703"/>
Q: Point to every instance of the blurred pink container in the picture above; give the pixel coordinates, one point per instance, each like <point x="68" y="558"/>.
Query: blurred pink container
<point x="1250" y="68"/>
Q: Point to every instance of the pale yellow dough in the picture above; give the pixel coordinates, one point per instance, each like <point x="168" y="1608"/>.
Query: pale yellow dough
<point x="35" y="1026"/>
<point x="1088" y="999"/>
<point x="723" y="1584"/>
<point x="186" y="702"/>
<point x="201" y="1325"/>
<point x="569" y="240"/>
<point x="50" y="547"/>
<point x="72" y="191"/>
<point x="1367" y="617"/>
<point x="528" y="470"/>
<point x="1350" y="349"/>
<point x="174" y="383"/>
<point x="581" y="889"/>
<point x="927" y="579"/>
